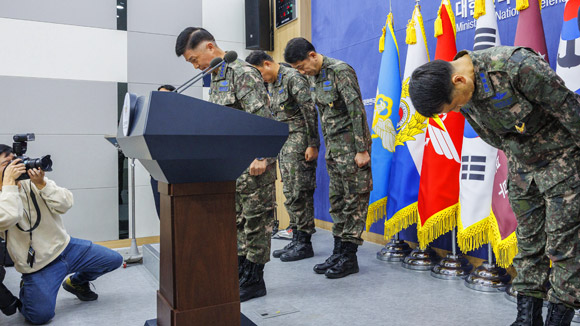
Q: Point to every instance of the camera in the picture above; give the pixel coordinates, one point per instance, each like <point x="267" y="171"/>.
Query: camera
<point x="19" y="148"/>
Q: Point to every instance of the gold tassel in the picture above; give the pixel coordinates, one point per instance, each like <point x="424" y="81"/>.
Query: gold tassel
<point x="506" y="250"/>
<point x="411" y="31"/>
<point x="438" y="26"/>
<point x="376" y="211"/>
<point x="522" y="4"/>
<point x="382" y="41"/>
<point x="437" y="225"/>
<point x="479" y="9"/>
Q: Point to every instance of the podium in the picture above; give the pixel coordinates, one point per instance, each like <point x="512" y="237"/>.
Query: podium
<point x="196" y="150"/>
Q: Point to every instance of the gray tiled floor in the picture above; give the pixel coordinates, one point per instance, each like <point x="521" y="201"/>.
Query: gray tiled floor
<point x="380" y="294"/>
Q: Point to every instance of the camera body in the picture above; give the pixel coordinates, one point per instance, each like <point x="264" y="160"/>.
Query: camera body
<point x="19" y="148"/>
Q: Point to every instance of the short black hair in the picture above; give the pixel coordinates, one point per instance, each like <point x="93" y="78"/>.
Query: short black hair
<point x="297" y="49"/>
<point x="167" y="87"/>
<point x="190" y="38"/>
<point x="5" y="149"/>
<point x="431" y="87"/>
<point x="257" y="58"/>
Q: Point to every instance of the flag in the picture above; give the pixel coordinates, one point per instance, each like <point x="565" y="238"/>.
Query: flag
<point x="385" y="118"/>
<point x="410" y="142"/>
<point x="475" y="219"/>
<point x="502" y="234"/>
<point x="530" y="29"/>
<point x="568" y="65"/>
<point x="439" y="184"/>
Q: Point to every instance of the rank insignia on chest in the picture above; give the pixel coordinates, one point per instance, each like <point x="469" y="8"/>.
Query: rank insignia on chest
<point x="327" y="85"/>
<point x="224" y="89"/>
<point x="521" y="128"/>
<point x="281" y="107"/>
<point x="331" y="104"/>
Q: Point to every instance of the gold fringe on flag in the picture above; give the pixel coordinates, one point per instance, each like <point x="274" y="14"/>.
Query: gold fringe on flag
<point x="417" y="11"/>
<point x="475" y="235"/>
<point x="411" y="31"/>
<point x="401" y="220"/>
<point x="439" y="22"/>
<point x="505" y="250"/>
<point x="437" y="225"/>
<point x="479" y="9"/>
<point x="377" y="211"/>
<point x="388" y="24"/>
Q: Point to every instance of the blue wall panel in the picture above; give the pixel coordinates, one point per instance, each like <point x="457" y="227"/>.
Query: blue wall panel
<point x="350" y="31"/>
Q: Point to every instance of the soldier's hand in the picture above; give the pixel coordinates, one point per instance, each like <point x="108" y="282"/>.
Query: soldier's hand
<point x="362" y="159"/>
<point x="12" y="172"/>
<point x="311" y="154"/>
<point x="37" y="177"/>
<point x="258" y="167"/>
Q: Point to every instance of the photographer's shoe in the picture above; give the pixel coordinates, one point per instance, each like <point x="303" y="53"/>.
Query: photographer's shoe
<point x="12" y="308"/>
<point x="82" y="291"/>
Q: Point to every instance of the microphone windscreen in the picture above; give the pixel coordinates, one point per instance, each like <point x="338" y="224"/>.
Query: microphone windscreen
<point x="231" y="56"/>
<point x="216" y="61"/>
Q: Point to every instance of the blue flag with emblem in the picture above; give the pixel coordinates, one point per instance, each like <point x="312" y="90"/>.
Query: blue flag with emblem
<point x="385" y="118"/>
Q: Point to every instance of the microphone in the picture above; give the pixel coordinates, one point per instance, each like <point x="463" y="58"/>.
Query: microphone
<point x="214" y="63"/>
<point x="229" y="57"/>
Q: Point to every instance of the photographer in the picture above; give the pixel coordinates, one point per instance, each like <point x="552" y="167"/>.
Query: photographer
<point x="38" y="243"/>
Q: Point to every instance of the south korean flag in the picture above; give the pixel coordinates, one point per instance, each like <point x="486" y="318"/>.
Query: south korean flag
<point x="486" y="32"/>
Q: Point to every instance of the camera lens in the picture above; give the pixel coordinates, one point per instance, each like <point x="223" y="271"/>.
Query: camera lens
<point x="44" y="163"/>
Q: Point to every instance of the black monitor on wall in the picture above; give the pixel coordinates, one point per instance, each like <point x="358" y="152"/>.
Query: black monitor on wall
<point x="259" y="31"/>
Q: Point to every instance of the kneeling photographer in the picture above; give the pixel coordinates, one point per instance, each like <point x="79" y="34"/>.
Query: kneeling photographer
<point x="37" y="241"/>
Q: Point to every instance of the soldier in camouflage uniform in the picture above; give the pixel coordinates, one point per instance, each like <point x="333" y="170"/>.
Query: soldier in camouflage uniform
<point x="348" y="143"/>
<point x="517" y="103"/>
<point x="291" y="102"/>
<point x="240" y="86"/>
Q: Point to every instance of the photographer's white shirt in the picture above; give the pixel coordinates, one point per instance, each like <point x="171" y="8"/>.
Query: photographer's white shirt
<point x="50" y="238"/>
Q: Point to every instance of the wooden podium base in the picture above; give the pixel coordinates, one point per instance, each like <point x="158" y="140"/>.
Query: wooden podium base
<point x="245" y="321"/>
<point x="198" y="274"/>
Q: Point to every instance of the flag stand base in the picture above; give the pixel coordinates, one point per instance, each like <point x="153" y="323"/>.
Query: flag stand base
<point x="421" y="260"/>
<point x="452" y="267"/>
<point x="394" y="251"/>
<point x="488" y="278"/>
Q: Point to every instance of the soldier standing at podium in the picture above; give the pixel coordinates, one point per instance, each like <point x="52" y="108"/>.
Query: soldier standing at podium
<point x="348" y="145"/>
<point x="239" y="85"/>
<point x="291" y="102"/>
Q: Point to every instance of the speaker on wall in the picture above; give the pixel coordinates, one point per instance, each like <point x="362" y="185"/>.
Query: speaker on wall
<point x="259" y="31"/>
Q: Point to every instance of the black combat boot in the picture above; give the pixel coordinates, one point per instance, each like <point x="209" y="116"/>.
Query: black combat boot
<point x="332" y="260"/>
<point x="302" y="249"/>
<point x="347" y="264"/>
<point x="253" y="286"/>
<point x="559" y="315"/>
<point x="8" y="302"/>
<point x="288" y="247"/>
<point x="529" y="311"/>
<point x="241" y="265"/>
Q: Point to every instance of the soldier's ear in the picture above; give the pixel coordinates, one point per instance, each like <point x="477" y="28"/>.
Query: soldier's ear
<point x="457" y="79"/>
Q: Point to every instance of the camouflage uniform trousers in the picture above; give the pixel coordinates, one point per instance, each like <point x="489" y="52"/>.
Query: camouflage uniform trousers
<point x="299" y="182"/>
<point x="255" y="198"/>
<point x="548" y="226"/>
<point x="349" y="193"/>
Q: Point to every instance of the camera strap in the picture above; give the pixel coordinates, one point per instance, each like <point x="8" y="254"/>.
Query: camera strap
<point x="38" y="217"/>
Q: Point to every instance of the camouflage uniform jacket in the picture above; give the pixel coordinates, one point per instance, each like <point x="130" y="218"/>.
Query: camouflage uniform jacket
<point x="240" y="86"/>
<point x="291" y="102"/>
<point x="342" y="113"/>
<point x="521" y="106"/>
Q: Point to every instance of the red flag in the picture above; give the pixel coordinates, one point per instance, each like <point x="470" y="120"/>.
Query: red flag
<point x="439" y="185"/>
<point x="530" y="30"/>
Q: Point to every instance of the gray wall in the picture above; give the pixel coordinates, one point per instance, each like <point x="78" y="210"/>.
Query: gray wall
<point x="70" y="116"/>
